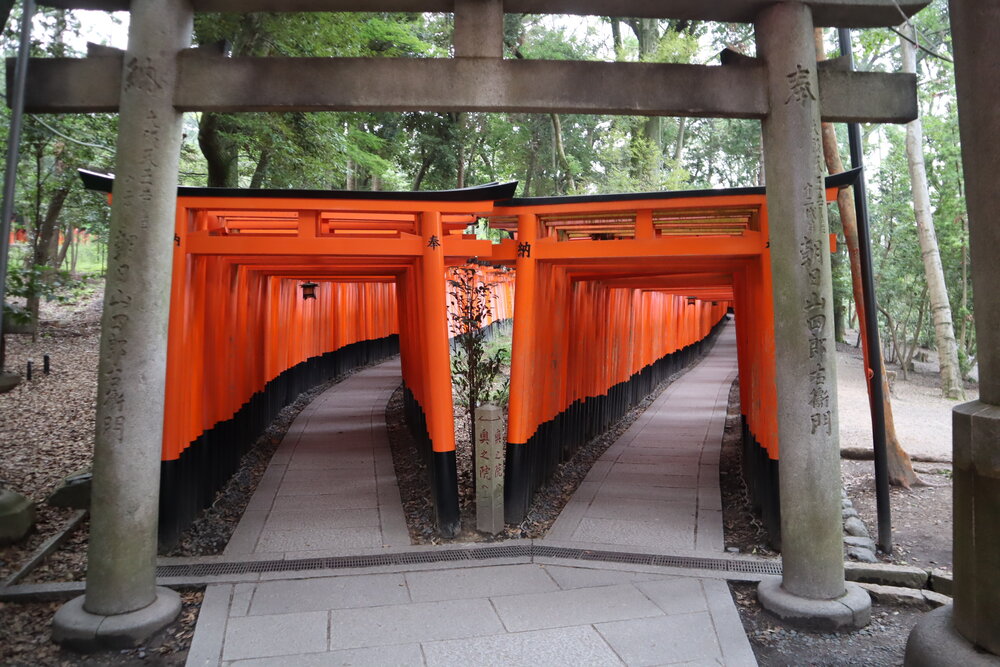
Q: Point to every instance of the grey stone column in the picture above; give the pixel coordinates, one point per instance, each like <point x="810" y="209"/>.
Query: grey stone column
<point x="950" y="635"/>
<point x="812" y="590"/>
<point x="122" y="604"/>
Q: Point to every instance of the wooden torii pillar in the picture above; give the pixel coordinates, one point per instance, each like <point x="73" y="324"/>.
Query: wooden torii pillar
<point x="154" y="80"/>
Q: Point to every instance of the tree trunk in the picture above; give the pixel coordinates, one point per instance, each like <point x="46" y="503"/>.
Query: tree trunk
<point x="944" y="331"/>
<point x="647" y="32"/>
<point x="418" y="181"/>
<point x="561" y="152"/>
<point x="68" y="236"/>
<point x="220" y="151"/>
<point x="912" y="349"/>
<point x="899" y="465"/>
<point x="260" y="171"/>
<point x="679" y="144"/>
<point x="616" y="37"/>
<point x="46" y="249"/>
<point x="459" y="119"/>
<point x="839" y="318"/>
<point x="963" y="338"/>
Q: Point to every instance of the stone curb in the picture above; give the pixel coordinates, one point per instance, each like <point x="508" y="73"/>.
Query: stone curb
<point x="905" y="596"/>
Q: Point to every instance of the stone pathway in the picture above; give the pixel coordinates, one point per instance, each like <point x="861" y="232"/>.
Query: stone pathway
<point x="330" y="491"/>
<point x="657" y="488"/>
<point x="330" y="486"/>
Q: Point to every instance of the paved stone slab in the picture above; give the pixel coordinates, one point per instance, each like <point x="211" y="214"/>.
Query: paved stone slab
<point x="582" y="577"/>
<point x="210" y="632"/>
<point x="339" y="540"/>
<point x="332" y="476"/>
<point x="404" y="624"/>
<point x="676" y="596"/>
<point x="282" y="634"/>
<point x="279" y="597"/>
<point x="663" y="640"/>
<point x="240" y="604"/>
<point x="552" y="648"/>
<point x="347" y="486"/>
<point x="377" y="656"/>
<point x="479" y="582"/>
<point x="244" y="538"/>
<point x="659" y="536"/>
<point x="632" y="509"/>
<point x="636" y="457"/>
<point x="321" y="518"/>
<point x="653" y="479"/>
<point x="732" y="639"/>
<point x="326" y="501"/>
<point x="626" y="490"/>
<point x="582" y="606"/>
<point x="320" y="459"/>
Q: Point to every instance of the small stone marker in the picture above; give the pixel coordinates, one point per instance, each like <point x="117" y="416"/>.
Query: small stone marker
<point x="73" y="491"/>
<point x="488" y="468"/>
<point x="17" y="516"/>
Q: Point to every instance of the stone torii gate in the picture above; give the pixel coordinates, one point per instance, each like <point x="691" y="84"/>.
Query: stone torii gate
<point x="159" y="77"/>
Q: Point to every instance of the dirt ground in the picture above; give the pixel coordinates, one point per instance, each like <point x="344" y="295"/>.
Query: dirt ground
<point x="921" y="519"/>
<point x="922" y="416"/>
<point x="921" y="516"/>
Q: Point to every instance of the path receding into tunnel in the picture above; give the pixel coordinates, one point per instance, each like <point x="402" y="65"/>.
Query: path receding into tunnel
<point x="656" y="489"/>
<point x="330" y="487"/>
<point x="489" y="609"/>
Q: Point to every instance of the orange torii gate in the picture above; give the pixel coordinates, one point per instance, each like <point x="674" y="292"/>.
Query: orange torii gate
<point x="614" y="294"/>
<point x="617" y="292"/>
<point x="244" y="339"/>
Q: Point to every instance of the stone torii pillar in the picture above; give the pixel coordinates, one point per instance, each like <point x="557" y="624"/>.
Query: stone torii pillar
<point x="122" y="605"/>
<point x="952" y="635"/>
<point x="812" y="590"/>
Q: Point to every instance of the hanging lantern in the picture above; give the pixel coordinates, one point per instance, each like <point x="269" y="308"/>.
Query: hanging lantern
<point x="308" y="290"/>
<point x="691" y="300"/>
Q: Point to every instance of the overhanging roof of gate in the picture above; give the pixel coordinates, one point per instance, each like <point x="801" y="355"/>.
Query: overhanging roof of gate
<point x="842" y="180"/>
<point x="479" y="193"/>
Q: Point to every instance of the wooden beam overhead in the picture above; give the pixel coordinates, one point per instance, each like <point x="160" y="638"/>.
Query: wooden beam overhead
<point x="209" y="83"/>
<point x="842" y="13"/>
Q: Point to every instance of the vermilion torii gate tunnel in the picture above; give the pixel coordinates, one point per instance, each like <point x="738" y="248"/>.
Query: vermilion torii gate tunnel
<point x="158" y="78"/>
<point x="244" y="341"/>
<point x="617" y="292"/>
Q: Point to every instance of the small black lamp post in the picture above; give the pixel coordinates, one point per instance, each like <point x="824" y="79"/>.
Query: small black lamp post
<point x="308" y="290"/>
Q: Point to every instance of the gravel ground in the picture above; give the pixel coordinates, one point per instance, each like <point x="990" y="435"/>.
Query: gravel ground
<point x="775" y="643"/>
<point x="24" y="638"/>
<point x="47" y="424"/>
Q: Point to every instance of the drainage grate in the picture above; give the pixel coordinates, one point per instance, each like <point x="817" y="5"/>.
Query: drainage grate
<point x="480" y="553"/>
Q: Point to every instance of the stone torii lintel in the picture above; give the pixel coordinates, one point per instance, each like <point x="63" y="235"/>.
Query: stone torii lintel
<point x="840" y="13"/>
<point x="210" y="82"/>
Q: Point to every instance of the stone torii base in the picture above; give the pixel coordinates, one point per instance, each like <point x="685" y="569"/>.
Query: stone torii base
<point x="79" y="630"/>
